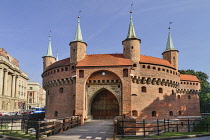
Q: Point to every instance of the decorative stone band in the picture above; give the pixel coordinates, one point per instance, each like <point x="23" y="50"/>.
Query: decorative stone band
<point x="59" y="82"/>
<point x="153" y="81"/>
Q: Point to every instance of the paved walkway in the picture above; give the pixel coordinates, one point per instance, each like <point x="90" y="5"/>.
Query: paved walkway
<point x="91" y="130"/>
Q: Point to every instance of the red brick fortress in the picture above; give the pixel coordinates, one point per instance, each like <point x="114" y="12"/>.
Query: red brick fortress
<point x="101" y="86"/>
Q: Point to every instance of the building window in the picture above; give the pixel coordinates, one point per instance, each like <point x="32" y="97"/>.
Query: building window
<point x="160" y="90"/>
<point x="189" y="97"/>
<point x="178" y="96"/>
<point x="125" y="72"/>
<point x="154" y="114"/>
<point x="61" y="69"/>
<point x="143" y="89"/>
<point x="103" y="73"/>
<point x="81" y="73"/>
<point x="173" y="93"/>
<point x="134" y="113"/>
<point x="171" y="113"/>
<point x="61" y="90"/>
<point x="48" y="92"/>
<point x="66" y="68"/>
<point x="132" y="47"/>
<point x="134" y="65"/>
<point x="180" y="112"/>
<point x="154" y="68"/>
<point x="148" y="67"/>
<point x="31" y="88"/>
<point x="30" y="100"/>
<point x="56" y="114"/>
<point x="58" y="70"/>
<point x="143" y="66"/>
<point x="182" y="124"/>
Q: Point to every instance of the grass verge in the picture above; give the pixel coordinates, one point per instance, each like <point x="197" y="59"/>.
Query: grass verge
<point x="168" y="134"/>
<point x="18" y="134"/>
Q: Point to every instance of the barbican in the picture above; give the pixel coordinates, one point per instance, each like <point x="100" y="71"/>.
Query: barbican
<point x="101" y="86"/>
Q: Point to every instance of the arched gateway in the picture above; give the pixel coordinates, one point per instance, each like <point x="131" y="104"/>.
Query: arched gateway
<point x="104" y="105"/>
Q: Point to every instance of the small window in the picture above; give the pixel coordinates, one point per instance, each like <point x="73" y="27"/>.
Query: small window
<point x="72" y="67"/>
<point x="61" y="90"/>
<point x="154" y="114"/>
<point x="171" y="113"/>
<point x="58" y="70"/>
<point x="48" y="92"/>
<point x="31" y="88"/>
<point x="160" y="90"/>
<point x="103" y="73"/>
<point x="180" y="113"/>
<point x="143" y="66"/>
<point x="125" y="72"/>
<point x="134" y="65"/>
<point x="66" y="68"/>
<point x="173" y="93"/>
<point x="134" y="113"/>
<point x="163" y="69"/>
<point x="61" y="69"/>
<point x="81" y="73"/>
<point x="189" y="97"/>
<point x="182" y="124"/>
<point x="158" y="69"/>
<point x="148" y="67"/>
<point x="178" y="96"/>
<point x="143" y="89"/>
<point x="56" y="114"/>
<point x="154" y="68"/>
<point x="132" y="47"/>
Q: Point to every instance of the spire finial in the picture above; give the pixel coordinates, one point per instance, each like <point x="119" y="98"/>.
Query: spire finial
<point x="49" y="50"/>
<point x="131" y="30"/>
<point x="169" y="26"/>
<point x="78" y="36"/>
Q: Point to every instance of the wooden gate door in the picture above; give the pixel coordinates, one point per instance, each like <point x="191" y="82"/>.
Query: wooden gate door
<point x="104" y="106"/>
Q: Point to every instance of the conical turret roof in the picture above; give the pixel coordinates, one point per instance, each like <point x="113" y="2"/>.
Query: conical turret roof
<point x="131" y="30"/>
<point x="78" y="35"/>
<point x="169" y="45"/>
<point x="49" y="50"/>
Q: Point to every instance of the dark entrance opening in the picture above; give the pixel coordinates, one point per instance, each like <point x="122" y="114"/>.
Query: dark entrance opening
<point x="104" y="105"/>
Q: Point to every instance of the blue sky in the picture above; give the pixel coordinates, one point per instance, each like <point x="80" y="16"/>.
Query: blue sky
<point x="25" y="27"/>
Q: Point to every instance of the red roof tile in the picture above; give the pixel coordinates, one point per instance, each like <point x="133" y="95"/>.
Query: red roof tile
<point x="104" y="60"/>
<point x="60" y="63"/>
<point x="110" y="60"/>
<point x="184" y="77"/>
<point x="154" y="60"/>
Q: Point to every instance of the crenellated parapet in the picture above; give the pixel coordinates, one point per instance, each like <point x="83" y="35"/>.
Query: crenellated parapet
<point x="59" y="82"/>
<point x="188" y="91"/>
<point x="153" y="81"/>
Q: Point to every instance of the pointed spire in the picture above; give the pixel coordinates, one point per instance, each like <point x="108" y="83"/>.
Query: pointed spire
<point x="57" y="56"/>
<point x="78" y="36"/>
<point x="169" y="45"/>
<point x="131" y="30"/>
<point x="49" y="50"/>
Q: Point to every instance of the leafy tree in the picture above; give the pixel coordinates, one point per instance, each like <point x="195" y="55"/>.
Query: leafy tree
<point x="205" y="88"/>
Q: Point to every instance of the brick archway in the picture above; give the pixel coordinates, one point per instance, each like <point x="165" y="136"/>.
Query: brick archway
<point x="104" y="105"/>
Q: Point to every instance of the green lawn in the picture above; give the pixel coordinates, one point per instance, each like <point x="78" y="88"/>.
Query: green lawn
<point x="168" y="134"/>
<point x="18" y="134"/>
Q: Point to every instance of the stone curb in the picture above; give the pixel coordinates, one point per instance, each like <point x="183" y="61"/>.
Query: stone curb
<point x="174" y="137"/>
<point x="11" y="138"/>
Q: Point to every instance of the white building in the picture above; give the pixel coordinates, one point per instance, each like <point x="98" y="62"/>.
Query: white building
<point x="35" y="95"/>
<point x="13" y="84"/>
